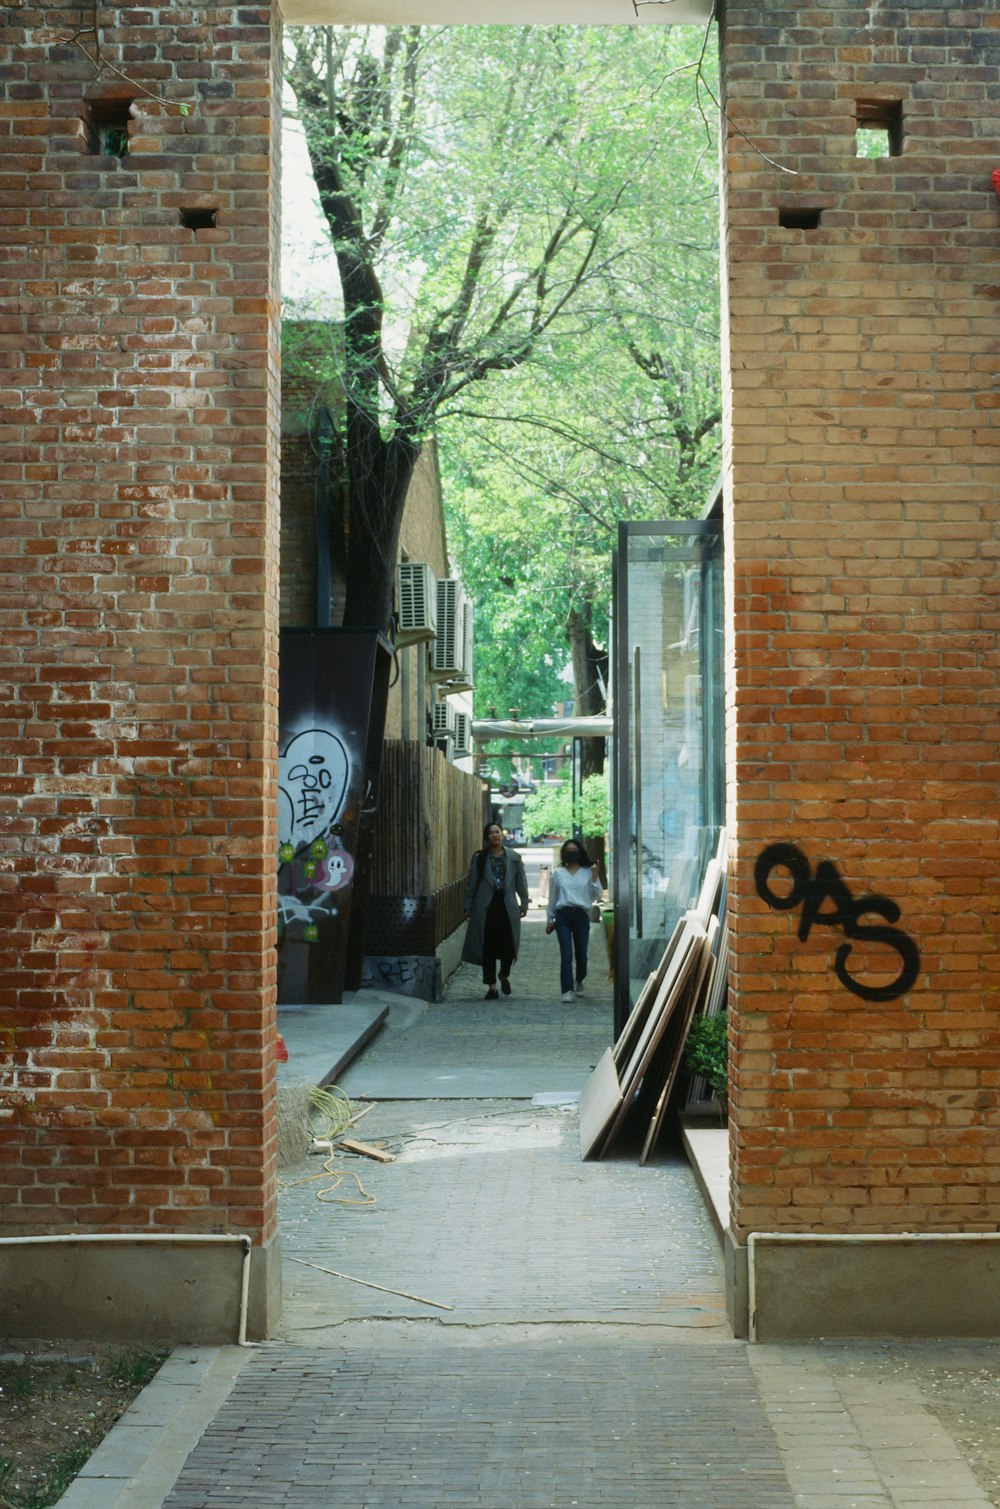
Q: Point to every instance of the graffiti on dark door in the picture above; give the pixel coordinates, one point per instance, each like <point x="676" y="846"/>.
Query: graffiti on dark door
<point x="313" y="777"/>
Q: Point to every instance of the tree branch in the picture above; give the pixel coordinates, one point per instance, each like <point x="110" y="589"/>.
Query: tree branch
<point x="400" y="139"/>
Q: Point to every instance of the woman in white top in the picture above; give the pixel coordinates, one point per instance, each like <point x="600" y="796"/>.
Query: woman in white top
<point x="573" y="889"/>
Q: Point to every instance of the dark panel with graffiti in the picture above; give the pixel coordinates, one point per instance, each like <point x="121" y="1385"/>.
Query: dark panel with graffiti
<point x="413" y="924"/>
<point x="827" y="902"/>
<point x="331" y="719"/>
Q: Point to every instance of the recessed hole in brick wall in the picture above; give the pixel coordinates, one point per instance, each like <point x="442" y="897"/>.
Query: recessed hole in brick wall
<point x="804" y="219"/>
<point x="198" y="219"/>
<point x="106" y="124"/>
<point x="879" y="131"/>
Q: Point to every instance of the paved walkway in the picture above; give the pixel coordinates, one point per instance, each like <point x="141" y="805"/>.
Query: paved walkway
<point x="560" y="1338"/>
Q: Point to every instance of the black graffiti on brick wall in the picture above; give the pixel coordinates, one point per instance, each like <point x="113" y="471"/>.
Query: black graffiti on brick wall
<point x="812" y="890"/>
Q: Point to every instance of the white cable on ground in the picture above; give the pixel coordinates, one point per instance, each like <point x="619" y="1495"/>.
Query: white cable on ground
<point x="330" y="1112"/>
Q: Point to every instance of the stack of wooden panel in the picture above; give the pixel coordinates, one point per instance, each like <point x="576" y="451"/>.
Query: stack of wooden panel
<point x="634" y="1082"/>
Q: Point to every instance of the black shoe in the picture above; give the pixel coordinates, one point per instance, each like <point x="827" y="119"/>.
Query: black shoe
<point x="491" y="994"/>
<point x="505" y="985"/>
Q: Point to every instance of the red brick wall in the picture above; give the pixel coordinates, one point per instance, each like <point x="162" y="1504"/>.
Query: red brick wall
<point x="138" y="496"/>
<point x="863" y="704"/>
<point x="310" y="398"/>
<point x="298" y="529"/>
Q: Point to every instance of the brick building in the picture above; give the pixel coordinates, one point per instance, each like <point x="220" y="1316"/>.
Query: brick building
<point x="309" y="402"/>
<point x="139" y="491"/>
<point x="429" y="814"/>
<point x="139" y="488"/>
<point x="862" y="512"/>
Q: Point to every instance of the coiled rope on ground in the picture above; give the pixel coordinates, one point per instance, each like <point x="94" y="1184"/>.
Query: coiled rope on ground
<point x="329" y="1113"/>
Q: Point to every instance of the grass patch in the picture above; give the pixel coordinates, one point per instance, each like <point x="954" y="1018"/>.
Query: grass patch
<point x="56" y="1406"/>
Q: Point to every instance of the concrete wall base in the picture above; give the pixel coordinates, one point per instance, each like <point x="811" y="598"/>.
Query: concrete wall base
<point x="737" y="1304"/>
<point x="417" y="975"/>
<point x="264" y="1302"/>
<point x="449" y="951"/>
<point x="792" y="1287"/>
<point x="180" y="1290"/>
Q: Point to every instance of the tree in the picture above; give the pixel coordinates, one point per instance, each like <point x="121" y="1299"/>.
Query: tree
<point x="533" y="518"/>
<point x="622" y="421"/>
<point x="550" y="810"/>
<point x="470" y="179"/>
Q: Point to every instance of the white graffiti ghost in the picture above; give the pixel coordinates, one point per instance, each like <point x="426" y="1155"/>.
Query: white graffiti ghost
<point x="312" y="783"/>
<point x="335" y="871"/>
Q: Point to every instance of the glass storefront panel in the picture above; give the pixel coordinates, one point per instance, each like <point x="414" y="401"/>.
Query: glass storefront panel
<point x="669" y="771"/>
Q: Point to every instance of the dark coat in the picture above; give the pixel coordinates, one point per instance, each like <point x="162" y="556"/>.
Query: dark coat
<point x="479" y="894"/>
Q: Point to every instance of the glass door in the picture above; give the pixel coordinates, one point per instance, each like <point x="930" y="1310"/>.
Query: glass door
<point x="669" y="770"/>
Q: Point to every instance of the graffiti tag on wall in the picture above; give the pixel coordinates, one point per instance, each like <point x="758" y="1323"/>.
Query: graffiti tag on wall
<point x="409" y="975"/>
<point x="826" y="901"/>
<point x="313" y="772"/>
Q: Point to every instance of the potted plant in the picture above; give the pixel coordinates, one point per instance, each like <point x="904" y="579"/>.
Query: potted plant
<point x="706" y="1052"/>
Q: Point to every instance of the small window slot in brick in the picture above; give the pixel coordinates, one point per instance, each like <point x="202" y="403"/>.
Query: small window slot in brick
<point x="106" y="125"/>
<point x="198" y="218"/>
<point x="805" y="218"/>
<point x="879" y="130"/>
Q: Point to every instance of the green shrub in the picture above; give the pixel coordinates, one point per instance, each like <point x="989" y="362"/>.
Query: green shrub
<point x="706" y="1051"/>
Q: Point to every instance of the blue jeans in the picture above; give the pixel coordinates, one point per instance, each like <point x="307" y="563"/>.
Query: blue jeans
<point x="573" y="932"/>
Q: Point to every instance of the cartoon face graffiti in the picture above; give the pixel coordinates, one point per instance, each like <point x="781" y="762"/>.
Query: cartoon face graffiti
<point x="313" y="775"/>
<point x="338" y="867"/>
<point x="312" y="782"/>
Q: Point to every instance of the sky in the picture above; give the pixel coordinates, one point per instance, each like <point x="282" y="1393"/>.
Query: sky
<point x="308" y="270"/>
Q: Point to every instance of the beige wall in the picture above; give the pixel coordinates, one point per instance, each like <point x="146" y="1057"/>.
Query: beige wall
<point x="422" y="538"/>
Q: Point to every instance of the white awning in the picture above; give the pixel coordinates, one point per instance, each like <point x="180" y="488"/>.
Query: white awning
<point x="485" y="729"/>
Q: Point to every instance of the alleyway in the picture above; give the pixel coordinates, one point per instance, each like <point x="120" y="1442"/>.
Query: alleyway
<point x="566" y="1342"/>
<point x="585" y="1358"/>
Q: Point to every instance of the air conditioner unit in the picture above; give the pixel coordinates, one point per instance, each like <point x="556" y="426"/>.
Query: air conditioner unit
<point x="443" y="721"/>
<point x="417" y="597"/>
<point x="465" y="683"/>
<point x="449" y="644"/>
<point x="451" y="664"/>
<point x="463" y="734"/>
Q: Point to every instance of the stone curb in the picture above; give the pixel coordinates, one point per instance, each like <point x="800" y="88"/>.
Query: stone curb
<point x="141" y="1457"/>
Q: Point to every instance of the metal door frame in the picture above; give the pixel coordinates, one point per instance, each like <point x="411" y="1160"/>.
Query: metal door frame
<point x="624" y="747"/>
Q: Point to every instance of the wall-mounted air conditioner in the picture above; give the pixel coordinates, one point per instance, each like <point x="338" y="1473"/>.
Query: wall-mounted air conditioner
<point x="463" y="735"/>
<point x="417" y="600"/>
<point x="442" y="721"/>
<point x="464" y="683"/>
<point x="451" y="658"/>
<point x="447" y="655"/>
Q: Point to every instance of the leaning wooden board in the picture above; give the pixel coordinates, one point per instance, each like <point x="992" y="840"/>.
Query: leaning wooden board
<point x="676" y="984"/>
<point x="690" y="932"/>
<point x="629" y="1036"/>
<point x="696" y="996"/>
<point x="599" y="1104"/>
<point x="640" y="1071"/>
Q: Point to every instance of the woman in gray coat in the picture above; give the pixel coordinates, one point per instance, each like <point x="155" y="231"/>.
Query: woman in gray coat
<point x="496" y="898"/>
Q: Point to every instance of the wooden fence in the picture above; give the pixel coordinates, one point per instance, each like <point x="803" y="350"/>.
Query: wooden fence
<point x="429" y="820"/>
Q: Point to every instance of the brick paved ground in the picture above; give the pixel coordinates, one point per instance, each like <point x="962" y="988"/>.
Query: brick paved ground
<point x="601" y="1421"/>
<point x="557" y="1378"/>
<point x="489" y="1209"/>
<point x="530" y="1039"/>
<point x="585" y="1361"/>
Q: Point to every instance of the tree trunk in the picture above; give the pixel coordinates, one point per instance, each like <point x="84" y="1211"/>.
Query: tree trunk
<point x="590" y="677"/>
<point x="379" y="473"/>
